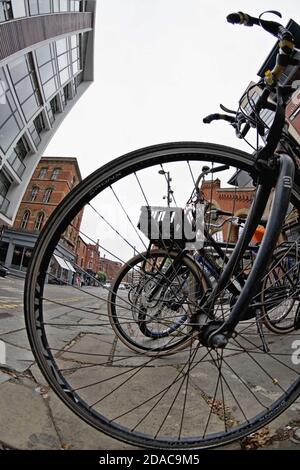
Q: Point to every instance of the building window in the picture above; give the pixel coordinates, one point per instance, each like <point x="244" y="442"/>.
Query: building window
<point x="4" y="187"/>
<point x="33" y="7"/>
<point x="3" y="251"/>
<point x="10" y="120"/>
<point x="67" y="92"/>
<point x="63" y="59"/>
<point x="6" y="13"/>
<point x="39" y="221"/>
<point x="42" y="173"/>
<point x="44" y="7"/>
<point x="23" y="75"/>
<point x="47" y="69"/>
<point x="37" y="128"/>
<point x="75" y="5"/>
<point x="21" y="257"/>
<point x="19" y="153"/>
<point x="25" y="219"/>
<point x="64" y="5"/>
<point x="34" y="193"/>
<point x="19" y="8"/>
<point x="47" y="195"/>
<point x="52" y="109"/>
<point x="55" y="173"/>
<point x="75" y="52"/>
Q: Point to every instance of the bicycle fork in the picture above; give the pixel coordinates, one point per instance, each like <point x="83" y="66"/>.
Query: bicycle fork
<point x="217" y="336"/>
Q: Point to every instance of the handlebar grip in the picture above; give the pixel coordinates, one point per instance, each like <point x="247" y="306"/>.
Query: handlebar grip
<point x="242" y="18"/>
<point x="215" y="117"/>
<point x="211" y="117"/>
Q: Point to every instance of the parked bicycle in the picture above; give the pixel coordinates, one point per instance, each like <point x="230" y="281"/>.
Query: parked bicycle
<point x="209" y="372"/>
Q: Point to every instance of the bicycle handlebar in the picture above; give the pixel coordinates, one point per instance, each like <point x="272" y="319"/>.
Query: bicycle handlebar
<point x="276" y="29"/>
<point x="215" y="117"/>
<point x="286" y="41"/>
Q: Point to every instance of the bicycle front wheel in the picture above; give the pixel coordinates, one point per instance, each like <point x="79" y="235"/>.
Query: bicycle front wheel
<point x="194" y="398"/>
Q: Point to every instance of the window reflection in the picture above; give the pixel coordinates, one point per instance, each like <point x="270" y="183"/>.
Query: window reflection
<point x="6" y="13"/>
<point x="10" y="119"/>
<point x="33" y="7"/>
<point x="44" y="7"/>
<point x="47" y="70"/>
<point x="23" y="75"/>
<point x="36" y="129"/>
<point x="18" y="8"/>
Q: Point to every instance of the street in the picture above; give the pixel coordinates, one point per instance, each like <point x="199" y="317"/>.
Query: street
<point x="31" y="416"/>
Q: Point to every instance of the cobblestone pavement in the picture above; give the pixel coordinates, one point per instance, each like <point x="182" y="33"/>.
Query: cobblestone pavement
<point x="32" y="417"/>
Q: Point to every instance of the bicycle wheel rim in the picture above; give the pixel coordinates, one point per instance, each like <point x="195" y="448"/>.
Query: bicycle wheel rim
<point x="47" y="239"/>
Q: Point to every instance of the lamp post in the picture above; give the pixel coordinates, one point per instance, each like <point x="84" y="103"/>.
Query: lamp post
<point x="169" y="195"/>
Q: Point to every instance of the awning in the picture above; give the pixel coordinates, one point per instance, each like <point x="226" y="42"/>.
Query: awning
<point x="70" y="266"/>
<point x="64" y="264"/>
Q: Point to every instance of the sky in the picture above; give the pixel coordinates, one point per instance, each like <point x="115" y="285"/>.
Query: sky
<point x="160" y="67"/>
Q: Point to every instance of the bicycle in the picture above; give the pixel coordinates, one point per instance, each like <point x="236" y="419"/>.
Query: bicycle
<point x="229" y="378"/>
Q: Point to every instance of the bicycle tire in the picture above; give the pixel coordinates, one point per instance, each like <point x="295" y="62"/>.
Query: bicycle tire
<point x="34" y="291"/>
<point x="169" y="325"/>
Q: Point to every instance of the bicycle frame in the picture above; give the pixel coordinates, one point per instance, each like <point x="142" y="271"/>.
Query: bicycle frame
<point x="281" y="199"/>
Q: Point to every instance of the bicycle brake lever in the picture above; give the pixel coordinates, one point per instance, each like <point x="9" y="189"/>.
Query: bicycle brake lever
<point x="229" y="111"/>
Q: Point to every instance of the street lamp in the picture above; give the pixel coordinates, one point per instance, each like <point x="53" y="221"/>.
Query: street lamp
<point x="169" y="195"/>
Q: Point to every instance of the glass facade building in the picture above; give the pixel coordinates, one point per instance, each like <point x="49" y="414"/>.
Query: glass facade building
<point x="43" y="72"/>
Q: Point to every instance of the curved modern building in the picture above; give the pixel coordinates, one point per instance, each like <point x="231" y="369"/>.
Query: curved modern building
<point x="46" y="64"/>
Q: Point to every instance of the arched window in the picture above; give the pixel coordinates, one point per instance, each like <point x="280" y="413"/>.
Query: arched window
<point x="55" y="173"/>
<point x="25" y="219"/>
<point x="39" y="221"/>
<point x="34" y="193"/>
<point x="43" y="173"/>
<point x="47" y="195"/>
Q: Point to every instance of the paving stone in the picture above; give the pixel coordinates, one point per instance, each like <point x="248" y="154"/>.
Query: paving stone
<point x="76" y="433"/>
<point x="4" y="377"/>
<point x="18" y="338"/>
<point x="12" y="322"/>
<point x="24" y="419"/>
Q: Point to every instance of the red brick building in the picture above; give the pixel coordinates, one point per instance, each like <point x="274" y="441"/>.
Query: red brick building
<point x="109" y="267"/>
<point x="233" y="199"/>
<point x="81" y="252"/>
<point x="52" y="180"/>
<point x="92" y="258"/>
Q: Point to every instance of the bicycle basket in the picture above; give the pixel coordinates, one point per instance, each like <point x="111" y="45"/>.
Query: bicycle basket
<point x="173" y="226"/>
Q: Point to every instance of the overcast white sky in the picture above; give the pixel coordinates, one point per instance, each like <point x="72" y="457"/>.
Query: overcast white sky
<point x="160" y="67"/>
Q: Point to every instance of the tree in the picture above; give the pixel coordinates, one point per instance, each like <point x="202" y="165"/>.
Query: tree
<point x="101" y="276"/>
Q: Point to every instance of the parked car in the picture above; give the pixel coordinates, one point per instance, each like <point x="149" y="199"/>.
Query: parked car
<point x="3" y="271"/>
